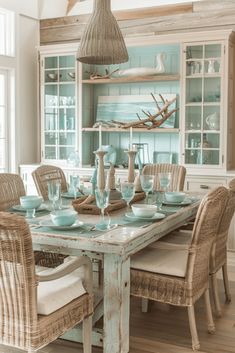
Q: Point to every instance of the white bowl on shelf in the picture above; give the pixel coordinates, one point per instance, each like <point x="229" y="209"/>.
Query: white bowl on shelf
<point x="175" y="196"/>
<point x="143" y="210"/>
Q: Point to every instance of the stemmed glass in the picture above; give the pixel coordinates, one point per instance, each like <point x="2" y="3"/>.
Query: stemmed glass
<point x="159" y="199"/>
<point x="102" y="201"/>
<point x="54" y="192"/>
<point x="164" y="180"/>
<point x="128" y="192"/>
<point x="74" y="185"/>
<point x="147" y="182"/>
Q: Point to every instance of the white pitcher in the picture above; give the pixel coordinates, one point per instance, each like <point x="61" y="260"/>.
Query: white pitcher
<point x="211" y="67"/>
<point x="212" y="121"/>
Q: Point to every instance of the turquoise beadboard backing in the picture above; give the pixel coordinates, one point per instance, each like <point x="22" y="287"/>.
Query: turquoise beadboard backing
<point x="144" y="56"/>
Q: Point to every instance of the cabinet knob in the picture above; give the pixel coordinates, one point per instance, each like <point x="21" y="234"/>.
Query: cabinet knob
<point x="204" y="186"/>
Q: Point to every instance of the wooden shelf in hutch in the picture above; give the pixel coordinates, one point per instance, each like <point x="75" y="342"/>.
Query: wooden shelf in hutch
<point x="164" y="130"/>
<point x="133" y="79"/>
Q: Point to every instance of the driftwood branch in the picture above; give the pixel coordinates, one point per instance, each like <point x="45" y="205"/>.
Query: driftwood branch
<point x="97" y="76"/>
<point x="151" y="121"/>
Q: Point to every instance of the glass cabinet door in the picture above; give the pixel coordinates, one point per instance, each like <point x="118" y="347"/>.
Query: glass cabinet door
<point x="202" y="140"/>
<point x="59" y="107"/>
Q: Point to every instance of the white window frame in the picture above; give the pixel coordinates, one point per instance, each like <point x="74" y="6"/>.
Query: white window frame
<point x="5" y="168"/>
<point x="8" y="34"/>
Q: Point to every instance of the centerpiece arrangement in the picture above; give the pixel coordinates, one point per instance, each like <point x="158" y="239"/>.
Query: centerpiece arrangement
<point x="104" y="190"/>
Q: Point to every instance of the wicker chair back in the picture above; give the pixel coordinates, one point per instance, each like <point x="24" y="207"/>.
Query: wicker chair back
<point x="45" y="173"/>
<point x="11" y="189"/>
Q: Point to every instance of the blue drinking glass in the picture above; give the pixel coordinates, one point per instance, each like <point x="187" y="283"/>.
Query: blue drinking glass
<point x="128" y="192"/>
<point x="147" y="182"/>
<point x="102" y="201"/>
<point x="54" y="192"/>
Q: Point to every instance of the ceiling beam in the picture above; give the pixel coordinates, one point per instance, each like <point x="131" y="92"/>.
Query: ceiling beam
<point x="121" y="15"/>
<point x="156" y="20"/>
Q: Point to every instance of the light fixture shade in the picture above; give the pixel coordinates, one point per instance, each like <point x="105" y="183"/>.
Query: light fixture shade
<point x="102" y="42"/>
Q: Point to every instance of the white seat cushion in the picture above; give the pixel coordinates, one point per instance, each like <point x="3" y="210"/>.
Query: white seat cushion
<point x="162" y="261"/>
<point x="178" y="237"/>
<point x="53" y="295"/>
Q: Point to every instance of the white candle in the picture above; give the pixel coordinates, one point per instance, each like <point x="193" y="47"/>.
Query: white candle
<point x="131" y="138"/>
<point x="100" y="137"/>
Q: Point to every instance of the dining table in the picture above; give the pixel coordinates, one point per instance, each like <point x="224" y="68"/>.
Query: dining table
<point x="114" y="247"/>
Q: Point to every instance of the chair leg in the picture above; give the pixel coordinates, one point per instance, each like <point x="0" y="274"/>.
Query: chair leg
<point x="193" y="328"/>
<point x="144" y="305"/>
<point x="210" y="321"/>
<point x="87" y="334"/>
<point x="226" y="283"/>
<point x="101" y="270"/>
<point x="215" y="294"/>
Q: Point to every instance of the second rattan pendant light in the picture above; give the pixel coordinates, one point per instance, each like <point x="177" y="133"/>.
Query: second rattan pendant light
<point x="102" y="42"/>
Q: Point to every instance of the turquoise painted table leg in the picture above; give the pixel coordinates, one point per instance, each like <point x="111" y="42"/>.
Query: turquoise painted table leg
<point x="116" y="303"/>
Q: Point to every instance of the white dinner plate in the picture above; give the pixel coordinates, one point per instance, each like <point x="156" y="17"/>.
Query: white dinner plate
<point x="50" y="224"/>
<point x="183" y="203"/>
<point x="19" y="208"/>
<point x="155" y="217"/>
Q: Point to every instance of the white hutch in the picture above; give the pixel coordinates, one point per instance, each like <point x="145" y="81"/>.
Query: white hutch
<point x="199" y="71"/>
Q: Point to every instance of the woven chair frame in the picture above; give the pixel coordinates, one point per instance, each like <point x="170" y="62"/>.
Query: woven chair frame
<point x="45" y="173"/>
<point x="21" y="326"/>
<point x="11" y="189"/>
<point x="219" y="253"/>
<point x="186" y="291"/>
<point x="178" y="173"/>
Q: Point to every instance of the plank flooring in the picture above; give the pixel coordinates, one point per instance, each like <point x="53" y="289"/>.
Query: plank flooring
<point x="165" y="329"/>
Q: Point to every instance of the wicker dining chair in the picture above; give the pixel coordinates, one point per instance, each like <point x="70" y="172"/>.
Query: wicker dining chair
<point x="218" y="258"/>
<point x="35" y="309"/>
<point x="11" y="189"/>
<point x="178" y="173"/>
<point x="181" y="276"/>
<point x="45" y="173"/>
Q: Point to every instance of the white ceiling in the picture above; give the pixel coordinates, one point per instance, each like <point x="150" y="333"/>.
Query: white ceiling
<point x="57" y="8"/>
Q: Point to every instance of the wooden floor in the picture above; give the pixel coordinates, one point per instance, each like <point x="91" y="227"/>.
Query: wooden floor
<point x="165" y="329"/>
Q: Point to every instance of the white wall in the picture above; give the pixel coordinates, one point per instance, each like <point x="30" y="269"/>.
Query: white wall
<point x="27" y="88"/>
<point x="24" y="67"/>
<point x="24" y="7"/>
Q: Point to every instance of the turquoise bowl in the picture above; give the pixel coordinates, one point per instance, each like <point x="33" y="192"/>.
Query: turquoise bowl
<point x="31" y="202"/>
<point x="64" y="217"/>
<point x="175" y="196"/>
<point x="144" y="210"/>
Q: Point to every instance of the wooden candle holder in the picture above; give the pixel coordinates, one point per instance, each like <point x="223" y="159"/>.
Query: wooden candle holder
<point x="131" y="165"/>
<point x="100" y="169"/>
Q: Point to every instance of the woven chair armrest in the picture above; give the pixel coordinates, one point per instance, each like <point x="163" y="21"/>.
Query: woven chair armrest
<point x="169" y="246"/>
<point x="68" y="267"/>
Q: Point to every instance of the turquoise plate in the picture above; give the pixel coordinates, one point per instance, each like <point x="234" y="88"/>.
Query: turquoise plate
<point x="155" y="217"/>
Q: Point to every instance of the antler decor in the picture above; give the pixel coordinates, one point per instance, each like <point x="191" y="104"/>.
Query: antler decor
<point x="151" y="121"/>
<point x="96" y="75"/>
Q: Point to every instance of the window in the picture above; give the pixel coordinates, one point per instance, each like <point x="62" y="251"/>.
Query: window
<point x="3" y="120"/>
<point x="7" y="45"/>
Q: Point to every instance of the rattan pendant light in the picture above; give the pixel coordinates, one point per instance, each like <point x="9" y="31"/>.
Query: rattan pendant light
<point x="102" y="42"/>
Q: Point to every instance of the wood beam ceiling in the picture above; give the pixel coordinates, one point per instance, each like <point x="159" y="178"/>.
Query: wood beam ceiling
<point x="154" y="20"/>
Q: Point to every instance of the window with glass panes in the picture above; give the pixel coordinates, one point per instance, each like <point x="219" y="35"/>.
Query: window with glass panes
<point x="3" y="121"/>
